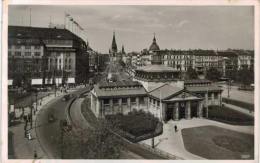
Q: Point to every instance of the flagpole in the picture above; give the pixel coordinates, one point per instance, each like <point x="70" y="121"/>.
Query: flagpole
<point x="160" y="105"/>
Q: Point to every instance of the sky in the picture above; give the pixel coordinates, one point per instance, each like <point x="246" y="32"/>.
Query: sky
<point x="175" y="27"/>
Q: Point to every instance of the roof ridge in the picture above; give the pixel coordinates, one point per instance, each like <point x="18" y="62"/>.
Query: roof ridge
<point x="158" y="87"/>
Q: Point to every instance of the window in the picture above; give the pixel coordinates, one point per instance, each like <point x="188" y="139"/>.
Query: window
<point x="153" y="101"/>
<point x="9" y="53"/>
<point x="115" y="101"/>
<point x="18" y="47"/>
<point x="18" y="54"/>
<point x="141" y="100"/>
<point x="133" y="99"/>
<point x="27" y="47"/>
<point x="37" y="54"/>
<point x="69" y="66"/>
<point x="216" y="95"/>
<point x="37" y="47"/>
<point x="106" y="101"/>
<point x="209" y="96"/>
<point x="27" y="53"/>
<point x="124" y="100"/>
<point x="158" y="103"/>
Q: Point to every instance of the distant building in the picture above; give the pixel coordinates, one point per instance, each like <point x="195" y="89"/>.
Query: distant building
<point x="200" y="60"/>
<point x="43" y="56"/>
<point x="115" y="56"/>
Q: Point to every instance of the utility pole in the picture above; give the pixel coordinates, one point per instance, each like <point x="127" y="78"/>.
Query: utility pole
<point x="228" y="85"/>
<point x="62" y="135"/>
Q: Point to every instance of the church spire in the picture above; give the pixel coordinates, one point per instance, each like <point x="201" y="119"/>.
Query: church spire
<point x="114" y="46"/>
<point x="154" y="39"/>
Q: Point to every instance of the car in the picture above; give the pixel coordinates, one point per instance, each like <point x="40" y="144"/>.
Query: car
<point x="51" y="118"/>
<point x="66" y="97"/>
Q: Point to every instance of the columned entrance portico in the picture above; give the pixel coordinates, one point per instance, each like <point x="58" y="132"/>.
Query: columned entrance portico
<point x="183" y="110"/>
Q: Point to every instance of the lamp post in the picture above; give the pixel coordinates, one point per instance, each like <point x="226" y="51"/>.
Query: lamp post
<point x="229" y="86"/>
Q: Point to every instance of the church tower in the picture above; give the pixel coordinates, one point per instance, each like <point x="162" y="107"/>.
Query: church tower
<point x="114" y="46"/>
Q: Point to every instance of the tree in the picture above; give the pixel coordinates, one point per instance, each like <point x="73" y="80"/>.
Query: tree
<point x="213" y="74"/>
<point x="191" y="73"/>
<point x="92" y="143"/>
<point x="245" y="76"/>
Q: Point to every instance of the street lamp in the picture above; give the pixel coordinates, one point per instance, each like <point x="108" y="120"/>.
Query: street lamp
<point x="229" y="87"/>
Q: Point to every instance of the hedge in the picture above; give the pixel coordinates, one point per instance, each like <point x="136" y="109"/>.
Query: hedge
<point x="227" y="115"/>
<point x="241" y="104"/>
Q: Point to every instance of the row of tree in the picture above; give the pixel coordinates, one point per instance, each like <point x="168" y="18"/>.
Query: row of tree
<point x="243" y="76"/>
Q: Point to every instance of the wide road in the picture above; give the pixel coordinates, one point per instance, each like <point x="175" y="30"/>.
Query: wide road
<point x="48" y="133"/>
<point x="245" y="96"/>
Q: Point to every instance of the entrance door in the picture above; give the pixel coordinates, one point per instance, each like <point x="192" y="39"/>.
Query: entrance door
<point x="193" y="107"/>
<point x="181" y="110"/>
<point x="169" y="112"/>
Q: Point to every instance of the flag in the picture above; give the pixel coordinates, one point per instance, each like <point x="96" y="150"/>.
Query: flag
<point x="67" y="15"/>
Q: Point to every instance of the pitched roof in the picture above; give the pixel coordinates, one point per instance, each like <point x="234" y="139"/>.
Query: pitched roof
<point x="164" y="91"/>
<point x="119" y="92"/>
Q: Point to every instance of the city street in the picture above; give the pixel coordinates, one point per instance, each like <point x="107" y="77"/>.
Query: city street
<point x="234" y="93"/>
<point x="49" y="133"/>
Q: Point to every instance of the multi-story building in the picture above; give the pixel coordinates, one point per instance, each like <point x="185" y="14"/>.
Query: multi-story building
<point x="200" y="60"/>
<point x="40" y="56"/>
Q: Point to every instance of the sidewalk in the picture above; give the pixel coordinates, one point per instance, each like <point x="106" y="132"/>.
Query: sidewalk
<point x="239" y="109"/>
<point x="23" y="147"/>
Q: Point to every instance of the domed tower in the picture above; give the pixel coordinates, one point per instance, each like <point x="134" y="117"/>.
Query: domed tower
<point x="154" y="46"/>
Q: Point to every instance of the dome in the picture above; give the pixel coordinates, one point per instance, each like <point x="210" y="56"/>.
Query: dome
<point x="154" y="45"/>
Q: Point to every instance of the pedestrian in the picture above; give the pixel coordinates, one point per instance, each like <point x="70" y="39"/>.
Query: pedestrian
<point x="175" y="128"/>
<point x="35" y="154"/>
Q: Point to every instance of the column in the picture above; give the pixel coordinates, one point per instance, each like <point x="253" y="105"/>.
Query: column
<point x="187" y="110"/>
<point x="220" y="98"/>
<point x="137" y="103"/>
<point x="129" y="103"/>
<point x="163" y="111"/>
<point x="212" y="98"/>
<point x="111" y="106"/>
<point x="200" y="109"/>
<point x="206" y="99"/>
<point x="101" y="111"/>
<point x="120" y="105"/>
<point x="176" y="111"/>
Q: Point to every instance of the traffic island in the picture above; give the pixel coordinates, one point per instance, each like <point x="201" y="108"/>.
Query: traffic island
<point x="217" y="143"/>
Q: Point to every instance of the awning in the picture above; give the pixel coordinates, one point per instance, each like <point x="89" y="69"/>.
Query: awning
<point x="36" y="81"/>
<point x="71" y="80"/>
<point x="10" y="82"/>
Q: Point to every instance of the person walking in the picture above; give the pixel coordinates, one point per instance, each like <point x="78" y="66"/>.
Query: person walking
<point x="35" y="154"/>
<point x="175" y="128"/>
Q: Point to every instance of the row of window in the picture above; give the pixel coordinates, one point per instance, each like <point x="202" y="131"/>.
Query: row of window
<point x="25" y="47"/>
<point x="18" y="53"/>
<point x="56" y="60"/>
<point x="124" y="100"/>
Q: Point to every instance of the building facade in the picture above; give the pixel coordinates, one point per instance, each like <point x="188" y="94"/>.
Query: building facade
<point x="43" y="56"/>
